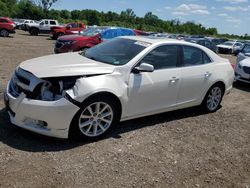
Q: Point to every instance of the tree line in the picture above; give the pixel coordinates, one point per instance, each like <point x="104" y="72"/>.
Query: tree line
<point x="40" y="9"/>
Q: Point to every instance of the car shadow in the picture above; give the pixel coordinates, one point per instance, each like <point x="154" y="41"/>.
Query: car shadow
<point x="40" y="35"/>
<point x="27" y="141"/>
<point x="242" y="86"/>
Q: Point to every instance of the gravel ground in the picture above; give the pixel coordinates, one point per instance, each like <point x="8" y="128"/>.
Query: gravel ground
<point x="184" y="148"/>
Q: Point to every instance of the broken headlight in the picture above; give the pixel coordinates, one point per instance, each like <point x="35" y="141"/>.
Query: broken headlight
<point x="54" y="88"/>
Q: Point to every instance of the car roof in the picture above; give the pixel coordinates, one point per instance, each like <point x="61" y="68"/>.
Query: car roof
<point x="154" y="40"/>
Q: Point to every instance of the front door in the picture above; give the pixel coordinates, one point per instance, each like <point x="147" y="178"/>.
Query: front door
<point x="158" y="90"/>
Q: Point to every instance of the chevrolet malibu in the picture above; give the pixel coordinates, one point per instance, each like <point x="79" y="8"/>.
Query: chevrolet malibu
<point x="85" y="94"/>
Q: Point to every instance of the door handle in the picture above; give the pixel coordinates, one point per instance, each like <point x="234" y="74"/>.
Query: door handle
<point x="208" y="74"/>
<point x="174" y="79"/>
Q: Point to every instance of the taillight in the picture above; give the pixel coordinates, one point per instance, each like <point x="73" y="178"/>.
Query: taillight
<point x="233" y="65"/>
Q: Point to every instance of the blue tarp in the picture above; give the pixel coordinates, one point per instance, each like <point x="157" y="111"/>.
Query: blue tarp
<point x="116" y="32"/>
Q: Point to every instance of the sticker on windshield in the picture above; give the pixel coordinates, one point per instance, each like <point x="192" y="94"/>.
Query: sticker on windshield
<point x="145" y="44"/>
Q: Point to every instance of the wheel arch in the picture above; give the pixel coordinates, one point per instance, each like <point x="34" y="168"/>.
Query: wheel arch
<point x="111" y="95"/>
<point x="220" y="82"/>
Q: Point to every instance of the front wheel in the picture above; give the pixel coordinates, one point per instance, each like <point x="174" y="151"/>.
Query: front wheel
<point x="95" y="118"/>
<point x="34" y="32"/>
<point x="213" y="98"/>
<point x="4" y="33"/>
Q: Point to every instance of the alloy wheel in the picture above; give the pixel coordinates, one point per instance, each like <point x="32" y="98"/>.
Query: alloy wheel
<point x="96" y="119"/>
<point x="214" y="98"/>
<point x="4" y="33"/>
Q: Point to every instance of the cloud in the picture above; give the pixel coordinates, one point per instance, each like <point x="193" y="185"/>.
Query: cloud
<point x="233" y="20"/>
<point x="186" y="9"/>
<point x="167" y="8"/>
<point x="233" y="1"/>
<point x="223" y="14"/>
<point x="234" y="8"/>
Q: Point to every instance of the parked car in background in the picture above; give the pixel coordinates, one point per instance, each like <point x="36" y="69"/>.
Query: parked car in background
<point x="141" y="33"/>
<point x="204" y="42"/>
<point x="229" y="47"/>
<point x="43" y="27"/>
<point x="17" y="21"/>
<point x="177" y="36"/>
<point x="216" y="41"/>
<point x="242" y="68"/>
<point x="124" y="78"/>
<point x="89" y="38"/>
<point x="22" y="25"/>
<point x="7" y="26"/>
<point x="69" y="29"/>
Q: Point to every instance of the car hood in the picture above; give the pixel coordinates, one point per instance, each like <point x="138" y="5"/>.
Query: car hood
<point x="68" y="64"/>
<point x="73" y="37"/>
<point x="245" y="62"/>
<point x="224" y="46"/>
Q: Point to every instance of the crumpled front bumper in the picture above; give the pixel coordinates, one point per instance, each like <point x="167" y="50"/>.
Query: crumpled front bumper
<point x="49" y="118"/>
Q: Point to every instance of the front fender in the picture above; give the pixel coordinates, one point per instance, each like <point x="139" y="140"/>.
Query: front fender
<point x="111" y="83"/>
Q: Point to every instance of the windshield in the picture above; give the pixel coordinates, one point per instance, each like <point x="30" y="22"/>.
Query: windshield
<point x="118" y="51"/>
<point x="91" y="31"/>
<point x="228" y="43"/>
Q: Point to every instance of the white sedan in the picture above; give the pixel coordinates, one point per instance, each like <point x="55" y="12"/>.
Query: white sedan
<point x="242" y="68"/>
<point x="85" y="94"/>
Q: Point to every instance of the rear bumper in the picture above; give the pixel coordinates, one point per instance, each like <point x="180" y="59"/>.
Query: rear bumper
<point x="47" y="118"/>
<point x="225" y="50"/>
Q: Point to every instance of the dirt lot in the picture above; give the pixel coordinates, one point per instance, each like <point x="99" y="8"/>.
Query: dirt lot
<point x="179" y="149"/>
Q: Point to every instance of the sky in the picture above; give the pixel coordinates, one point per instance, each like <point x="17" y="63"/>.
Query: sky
<point x="228" y="16"/>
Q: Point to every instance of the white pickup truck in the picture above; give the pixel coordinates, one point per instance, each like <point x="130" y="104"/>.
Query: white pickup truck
<point x="43" y="27"/>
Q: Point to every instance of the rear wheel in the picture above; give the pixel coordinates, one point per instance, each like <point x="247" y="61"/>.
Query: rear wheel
<point x="95" y="119"/>
<point x="213" y="98"/>
<point x="34" y="31"/>
<point x="4" y="33"/>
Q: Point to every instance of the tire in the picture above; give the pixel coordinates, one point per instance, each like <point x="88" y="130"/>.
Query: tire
<point x="34" y="32"/>
<point x="213" y="98"/>
<point x="4" y="33"/>
<point x="60" y="34"/>
<point x="89" y="124"/>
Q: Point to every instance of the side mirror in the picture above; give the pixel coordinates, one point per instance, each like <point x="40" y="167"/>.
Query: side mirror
<point x="144" y="67"/>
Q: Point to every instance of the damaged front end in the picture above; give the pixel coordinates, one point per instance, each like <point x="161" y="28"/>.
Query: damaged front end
<point x="45" y="89"/>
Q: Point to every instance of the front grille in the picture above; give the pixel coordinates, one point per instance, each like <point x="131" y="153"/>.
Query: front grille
<point x="246" y="70"/>
<point x="59" y="45"/>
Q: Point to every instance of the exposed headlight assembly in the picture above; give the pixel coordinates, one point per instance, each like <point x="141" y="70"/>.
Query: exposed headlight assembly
<point x="54" y="88"/>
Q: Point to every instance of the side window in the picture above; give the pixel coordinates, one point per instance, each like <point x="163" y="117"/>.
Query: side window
<point x="52" y="23"/>
<point x="208" y="44"/>
<point x="246" y="49"/>
<point x="238" y="44"/>
<point x="46" y="22"/>
<point x="194" y="56"/>
<point x="162" y="57"/>
<point x="206" y="59"/>
<point x="3" y="21"/>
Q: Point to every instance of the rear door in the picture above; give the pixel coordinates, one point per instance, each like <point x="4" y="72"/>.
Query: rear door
<point x="196" y="71"/>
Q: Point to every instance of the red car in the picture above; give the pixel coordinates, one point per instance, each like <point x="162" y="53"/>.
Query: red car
<point x="7" y="26"/>
<point x="89" y="37"/>
<point x="69" y="29"/>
